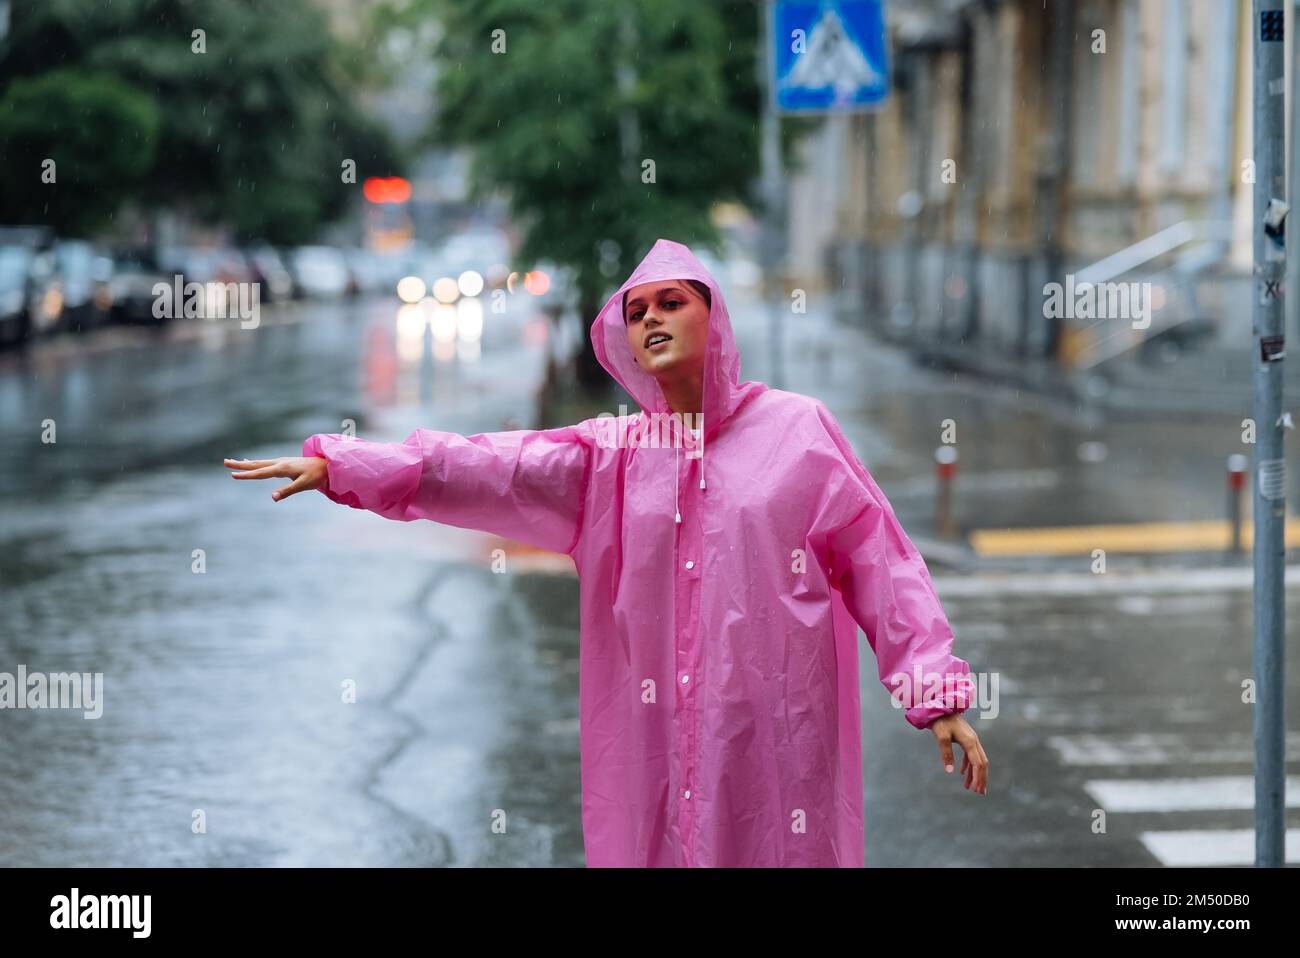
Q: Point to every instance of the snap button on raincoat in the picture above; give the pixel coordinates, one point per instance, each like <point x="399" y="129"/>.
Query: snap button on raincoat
<point x="718" y="703"/>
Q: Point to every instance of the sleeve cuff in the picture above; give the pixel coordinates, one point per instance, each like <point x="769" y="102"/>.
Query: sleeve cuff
<point x="319" y="445"/>
<point x="923" y="717"/>
<point x="959" y="700"/>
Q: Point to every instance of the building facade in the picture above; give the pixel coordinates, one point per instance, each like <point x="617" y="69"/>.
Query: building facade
<point x="1028" y="149"/>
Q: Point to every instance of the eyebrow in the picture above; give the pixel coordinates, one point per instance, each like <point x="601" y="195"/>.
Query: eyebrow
<point x="641" y="299"/>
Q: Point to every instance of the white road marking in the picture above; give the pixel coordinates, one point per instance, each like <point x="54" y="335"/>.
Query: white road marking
<point x="1148" y="748"/>
<point x="1225" y="578"/>
<point x="1213" y="847"/>
<point x="1182" y="794"/>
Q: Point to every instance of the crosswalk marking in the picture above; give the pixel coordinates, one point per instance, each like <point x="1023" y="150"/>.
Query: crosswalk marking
<point x="1150" y="748"/>
<point x="1211" y="847"/>
<point x="1182" y="794"/>
<point x="1204" y="847"/>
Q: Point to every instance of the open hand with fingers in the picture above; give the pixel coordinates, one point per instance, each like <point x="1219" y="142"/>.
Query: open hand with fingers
<point x="952" y="728"/>
<point x="307" y="472"/>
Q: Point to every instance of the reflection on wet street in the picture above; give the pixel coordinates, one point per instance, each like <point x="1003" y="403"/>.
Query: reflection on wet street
<point x="230" y="629"/>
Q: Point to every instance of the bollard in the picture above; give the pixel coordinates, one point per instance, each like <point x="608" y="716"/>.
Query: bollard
<point x="1237" y="466"/>
<point x="945" y="460"/>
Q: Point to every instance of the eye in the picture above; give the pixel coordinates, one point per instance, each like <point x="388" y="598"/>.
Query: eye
<point x="673" y="303"/>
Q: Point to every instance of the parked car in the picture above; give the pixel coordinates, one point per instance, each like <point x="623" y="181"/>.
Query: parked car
<point x="15" y="317"/>
<point x="270" y="271"/>
<point x="319" y="271"/>
<point x="215" y="269"/>
<point x="135" y="274"/>
<point x="72" y="288"/>
<point x="20" y="247"/>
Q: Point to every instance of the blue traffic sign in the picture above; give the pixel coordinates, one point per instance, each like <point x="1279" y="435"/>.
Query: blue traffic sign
<point x="829" y="56"/>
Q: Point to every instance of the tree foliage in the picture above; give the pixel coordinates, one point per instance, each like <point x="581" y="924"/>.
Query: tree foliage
<point x="252" y="132"/>
<point x="566" y="120"/>
<point x="83" y="138"/>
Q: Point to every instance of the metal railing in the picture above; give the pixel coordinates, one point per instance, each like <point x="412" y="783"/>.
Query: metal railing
<point x="1206" y="242"/>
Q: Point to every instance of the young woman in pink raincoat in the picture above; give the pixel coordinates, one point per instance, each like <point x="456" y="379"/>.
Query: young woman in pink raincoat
<point x="724" y="575"/>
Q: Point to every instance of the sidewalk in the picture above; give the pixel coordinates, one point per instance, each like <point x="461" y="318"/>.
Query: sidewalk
<point x="1212" y="378"/>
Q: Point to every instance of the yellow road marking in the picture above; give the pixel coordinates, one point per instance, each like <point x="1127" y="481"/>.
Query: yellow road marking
<point x="1206" y="535"/>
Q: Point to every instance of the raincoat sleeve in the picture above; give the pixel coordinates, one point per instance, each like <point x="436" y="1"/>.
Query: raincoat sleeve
<point x="886" y="587"/>
<point x="523" y="484"/>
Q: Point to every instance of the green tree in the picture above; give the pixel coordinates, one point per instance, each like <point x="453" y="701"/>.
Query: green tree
<point x="70" y="144"/>
<point x="254" y="127"/>
<point x="605" y="124"/>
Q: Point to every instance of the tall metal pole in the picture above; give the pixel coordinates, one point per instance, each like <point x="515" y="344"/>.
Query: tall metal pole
<point x="1291" y="311"/>
<point x="629" y="132"/>
<point x="920" y="123"/>
<point x="973" y="137"/>
<point x="773" y="188"/>
<point x="1059" y="46"/>
<point x="1270" y="471"/>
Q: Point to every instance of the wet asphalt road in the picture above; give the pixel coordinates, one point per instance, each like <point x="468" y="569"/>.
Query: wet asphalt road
<point x="225" y="689"/>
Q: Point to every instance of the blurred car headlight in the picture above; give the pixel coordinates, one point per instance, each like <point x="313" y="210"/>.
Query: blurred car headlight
<point x="410" y="289"/>
<point x="470" y="283"/>
<point x="445" y="289"/>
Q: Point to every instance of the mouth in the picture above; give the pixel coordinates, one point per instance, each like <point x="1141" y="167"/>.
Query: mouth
<point x="656" y="341"/>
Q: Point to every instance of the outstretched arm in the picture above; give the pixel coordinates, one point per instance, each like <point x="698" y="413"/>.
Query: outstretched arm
<point x="522" y="484"/>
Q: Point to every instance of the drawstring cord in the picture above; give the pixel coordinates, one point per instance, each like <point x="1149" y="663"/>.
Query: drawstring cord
<point x="677" y="452"/>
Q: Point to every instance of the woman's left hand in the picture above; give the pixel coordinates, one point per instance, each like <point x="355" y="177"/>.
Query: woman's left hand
<point x="974" y="763"/>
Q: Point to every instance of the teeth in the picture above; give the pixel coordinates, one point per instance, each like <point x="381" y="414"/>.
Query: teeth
<point x="656" y="339"/>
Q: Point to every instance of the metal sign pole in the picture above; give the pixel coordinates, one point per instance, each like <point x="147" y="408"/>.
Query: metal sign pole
<point x="773" y="205"/>
<point x="1270" y="473"/>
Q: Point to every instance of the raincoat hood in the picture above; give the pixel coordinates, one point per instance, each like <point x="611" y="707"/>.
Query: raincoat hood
<point x="722" y="393"/>
<point x="723" y="390"/>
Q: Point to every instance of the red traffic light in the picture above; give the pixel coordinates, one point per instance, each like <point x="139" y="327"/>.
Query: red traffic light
<point x="386" y="189"/>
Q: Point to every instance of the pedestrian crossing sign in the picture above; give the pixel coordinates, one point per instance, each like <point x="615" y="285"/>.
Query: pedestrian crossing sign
<point x="829" y="55"/>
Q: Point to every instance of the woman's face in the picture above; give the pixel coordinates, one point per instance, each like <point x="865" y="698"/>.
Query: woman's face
<point x="667" y="327"/>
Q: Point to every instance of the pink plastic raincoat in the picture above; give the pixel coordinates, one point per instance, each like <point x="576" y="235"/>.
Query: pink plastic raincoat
<point x="719" y="708"/>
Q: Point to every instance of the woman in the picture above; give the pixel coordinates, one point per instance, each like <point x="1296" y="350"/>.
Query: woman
<point x="721" y="591"/>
